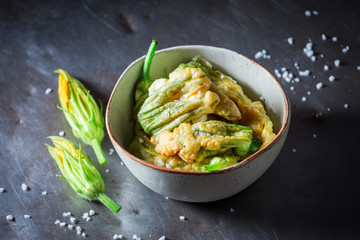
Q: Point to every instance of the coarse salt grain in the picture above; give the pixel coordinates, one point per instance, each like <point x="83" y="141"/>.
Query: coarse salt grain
<point x="78" y="228"/>
<point x="73" y="219"/>
<point x="358" y="68"/>
<point x="323" y="37"/>
<point x="315" y="12"/>
<point x="111" y="150"/>
<point x="83" y="234"/>
<point x="162" y="238"/>
<point x="117" y="236"/>
<point x="303" y="99"/>
<point x="85" y="215"/>
<point x="296" y="79"/>
<point x="70" y="226"/>
<point x="304" y="73"/>
<point x="334" y="39"/>
<point x="9" y="218"/>
<point x="62" y="224"/>
<point x="78" y="232"/>
<point x="44" y="193"/>
<point x="290" y="40"/>
<point x="88" y="219"/>
<point x="134" y="236"/>
<point x="345" y="49"/>
<point x="329" y="109"/>
<point x="2" y="190"/>
<point x="292" y="88"/>
<point x="326" y="67"/>
<point x="24" y="187"/>
<point x="61" y="133"/>
<point x="319" y="85"/>
<point x="258" y="55"/>
<point x="308" y="93"/>
<point x="307" y="13"/>
<point x="337" y="63"/>
<point x="294" y="150"/>
<point x="331" y="78"/>
<point x="66" y="214"/>
<point x="314" y="135"/>
<point x="182" y="218"/>
<point x="107" y="170"/>
<point x="57" y="221"/>
<point x="313" y="58"/>
<point x="48" y="91"/>
<point x="346" y="105"/>
<point x="92" y="212"/>
<point x="232" y="210"/>
<point x="121" y="163"/>
<point x="27" y="216"/>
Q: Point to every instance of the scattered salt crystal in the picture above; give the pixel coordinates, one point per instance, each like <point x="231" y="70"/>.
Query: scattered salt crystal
<point x="326" y="67"/>
<point x="162" y="238"/>
<point x="232" y="210"/>
<point x="358" y="68"/>
<point x="314" y="135"/>
<point x="294" y="150"/>
<point x="303" y="99"/>
<point x="258" y="55"/>
<point x="292" y="88"/>
<point x="61" y="133"/>
<point x="322" y="55"/>
<point x="328" y="109"/>
<point x="121" y="163"/>
<point x="72" y="219"/>
<point x="27" y="216"/>
<point x="290" y="40"/>
<point x="44" y="193"/>
<point x="296" y="80"/>
<point x="319" y="85"/>
<point x="24" y="187"/>
<point x="9" y="218"/>
<point x="313" y="58"/>
<point x="62" y="224"/>
<point x="283" y="69"/>
<point x="84" y="234"/>
<point x="277" y="73"/>
<point x="346" y="49"/>
<point x="107" y="170"/>
<point x="334" y="39"/>
<point x="337" y="63"/>
<point x="88" y="219"/>
<point x="48" y="91"/>
<point x="166" y="198"/>
<point x="315" y="12"/>
<point x="111" y="150"/>
<point x="160" y="162"/>
<point x="134" y="236"/>
<point x="285" y="74"/>
<point x="70" y="226"/>
<point x="309" y="53"/>
<point x="57" y="221"/>
<point x="117" y="236"/>
<point x="307" y="13"/>
<point x="331" y="78"/>
<point x="2" y="190"/>
<point x="296" y="65"/>
<point x="304" y="73"/>
<point x="182" y="218"/>
<point x="66" y="214"/>
<point x="78" y="228"/>
<point x="323" y="37"/>
<point x="85" y="215"/>
<point x="92" y="212"/>
<point x="308" y="93"/>
<point x="346" y="105"/>
<point x="78" y="232"/>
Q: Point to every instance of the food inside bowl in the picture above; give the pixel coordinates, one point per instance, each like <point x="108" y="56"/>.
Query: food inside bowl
<point x="196" y="118"/>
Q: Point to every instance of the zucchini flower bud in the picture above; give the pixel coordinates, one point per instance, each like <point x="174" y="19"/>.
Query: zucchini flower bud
<point x="81" y="112"/>
<point x="79" y="172"/>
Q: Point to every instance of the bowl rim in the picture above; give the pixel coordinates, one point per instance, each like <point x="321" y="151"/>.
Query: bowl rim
<point x="279" y="135"/>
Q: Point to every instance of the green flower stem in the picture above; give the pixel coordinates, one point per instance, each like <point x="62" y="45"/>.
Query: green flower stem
<point x="98" y="151"/>
<point x="108" y="202"/>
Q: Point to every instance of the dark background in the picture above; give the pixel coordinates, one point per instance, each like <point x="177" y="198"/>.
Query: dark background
<point x="312" y="193"/>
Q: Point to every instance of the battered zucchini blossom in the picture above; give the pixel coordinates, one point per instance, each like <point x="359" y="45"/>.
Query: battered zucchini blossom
<point x="81" y="112"/>
<point x="79" y="172"/>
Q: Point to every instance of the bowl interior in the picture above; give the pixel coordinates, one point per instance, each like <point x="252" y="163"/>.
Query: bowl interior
<point x="256" y="82"/>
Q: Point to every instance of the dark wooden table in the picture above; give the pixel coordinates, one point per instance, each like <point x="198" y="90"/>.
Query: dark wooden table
<point x="310" y="192"/>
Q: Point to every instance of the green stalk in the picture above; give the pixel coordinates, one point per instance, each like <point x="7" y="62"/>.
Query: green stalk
<point x="108" y="202"/>
<point x="147" y="63"/>
<point x="98" y="151"/>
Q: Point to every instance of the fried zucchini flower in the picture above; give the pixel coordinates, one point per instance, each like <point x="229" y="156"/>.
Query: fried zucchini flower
<point x="79" y="172"/>
<point x="81" y="112"/>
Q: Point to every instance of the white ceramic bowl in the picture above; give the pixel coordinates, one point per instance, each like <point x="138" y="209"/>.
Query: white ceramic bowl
<point x="189" y="185"/>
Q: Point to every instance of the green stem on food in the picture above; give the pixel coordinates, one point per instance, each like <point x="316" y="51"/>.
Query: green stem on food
<point x="108" y="202"/>
<point x="147" y="63"/>
<point x="98" y="151"/>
